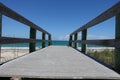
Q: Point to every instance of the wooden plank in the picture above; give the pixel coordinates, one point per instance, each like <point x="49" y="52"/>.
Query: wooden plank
<point x="43" y="38"/>
<point x="32" y="46"/>
<point x="11" y="40"/>
<point x="117" y="49"/>
<point x="106" y="42"/>
<point x="57" y="62"/>
<point x="12" y="14"/>
<point x="114" y="10"/>
<point x="84" y="37"/>
<point x="75" y="38"/>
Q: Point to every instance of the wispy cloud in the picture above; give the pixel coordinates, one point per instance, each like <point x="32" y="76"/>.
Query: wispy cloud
<point x="66" y="37"/>
<point x="90" y="36"/>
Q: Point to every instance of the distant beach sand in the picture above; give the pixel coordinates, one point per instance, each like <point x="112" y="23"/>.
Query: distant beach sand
<point x="8" y="53"/>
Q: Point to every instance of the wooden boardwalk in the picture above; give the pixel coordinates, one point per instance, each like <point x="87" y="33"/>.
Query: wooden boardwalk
<point x="56" y="62"/>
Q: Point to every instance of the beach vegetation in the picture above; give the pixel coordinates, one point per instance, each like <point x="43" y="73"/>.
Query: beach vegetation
<point x="106" y="55"/>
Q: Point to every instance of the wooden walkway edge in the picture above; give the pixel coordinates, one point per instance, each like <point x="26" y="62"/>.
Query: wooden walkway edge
<point x="56" y="62"/>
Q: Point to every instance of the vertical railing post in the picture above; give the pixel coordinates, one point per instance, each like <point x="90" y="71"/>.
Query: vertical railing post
<point x="117" y="36"/>
<point x="84" y="37"/>
<point x="75" y="39"/>
<point x="70" y="40"/>
<point x="43" y="40"/>
<point x="49" y="38"/>
<point x="32" y="36"/>
<point x="0" y="32"/>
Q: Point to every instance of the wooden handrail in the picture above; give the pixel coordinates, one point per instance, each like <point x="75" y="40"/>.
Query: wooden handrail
<point x="113" y="11"/>
<point x="102" y="17"/>
<point x="11" y="40"/>
<point x="4" y="10"/>
<point x="105" y="42"/>
<point x="12" y="14"/>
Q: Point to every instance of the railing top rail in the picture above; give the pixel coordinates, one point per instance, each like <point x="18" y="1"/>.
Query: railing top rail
<point x="12" y="40"/>
<point x="12" y="14"/>
<point x="102" y="17"/>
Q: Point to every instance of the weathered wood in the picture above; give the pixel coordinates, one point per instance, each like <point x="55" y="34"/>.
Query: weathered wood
<point x="30" y="79"/>
<point x="11" y="40"/>
<point x="32" y="45"/>
<point x="75" y="38"/>
<point x="12" y="14"/>
<point x="49" y="38"/>
<point x="106" y="42"/>
<point x="114" y="10"/>
<point x="57" y="62"/>
<point x="43" y="38"/>
<point x="84" y="37"/>
<point x="117" y="36"/>
<point x="70" y="40"/>
<point x="5" y="78"/>
<point x="33" y="27"/>
<point x="0" y="31"/>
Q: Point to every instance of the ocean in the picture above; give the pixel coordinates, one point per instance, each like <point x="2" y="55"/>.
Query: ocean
<point x="39" y="44"/>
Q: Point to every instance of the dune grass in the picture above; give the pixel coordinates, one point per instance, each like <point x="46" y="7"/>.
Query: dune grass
<point x="107" y="56"/>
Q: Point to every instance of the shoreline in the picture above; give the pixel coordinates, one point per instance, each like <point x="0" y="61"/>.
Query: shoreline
<point x="8" y="53"/>
<point x="40" y="47"/>
<point x="27" y="48"/>
<point x="17" y="48"/>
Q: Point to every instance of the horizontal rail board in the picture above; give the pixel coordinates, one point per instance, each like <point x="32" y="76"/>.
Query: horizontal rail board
<point x="102" y="17"/>
<point x="12" y="14"/>
<point x="107" y="42"/>
<point x="11" y="40"/>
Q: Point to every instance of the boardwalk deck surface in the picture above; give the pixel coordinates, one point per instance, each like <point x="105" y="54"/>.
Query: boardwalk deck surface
<point x="56" y="62"/>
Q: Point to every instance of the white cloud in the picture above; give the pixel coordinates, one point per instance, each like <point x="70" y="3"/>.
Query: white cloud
<point x="66" y="37"/>
<point x="90" y="36"/>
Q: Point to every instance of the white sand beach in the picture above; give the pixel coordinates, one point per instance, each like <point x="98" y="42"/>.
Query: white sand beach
<point x="8" y="53"/>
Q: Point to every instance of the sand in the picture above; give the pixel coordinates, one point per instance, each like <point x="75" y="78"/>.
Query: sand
<point x="8" y="53"/>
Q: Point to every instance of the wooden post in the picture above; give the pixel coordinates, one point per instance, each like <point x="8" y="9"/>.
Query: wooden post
<point x="49" y="38"/>
<point x="32" y="36"/>
<point x="70" y="40"/>
<point x="75" y="39"/>
<point x="43" y="38"/>
<point x="117" y="36"/>
<point x="0" y="32"/>
<point x="84" y="37"/>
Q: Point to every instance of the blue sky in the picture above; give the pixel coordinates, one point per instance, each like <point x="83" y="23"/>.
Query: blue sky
<point x="59" y="17"/>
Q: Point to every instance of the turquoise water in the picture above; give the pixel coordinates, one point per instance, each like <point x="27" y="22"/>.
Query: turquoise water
<point x="38" y="44"/>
